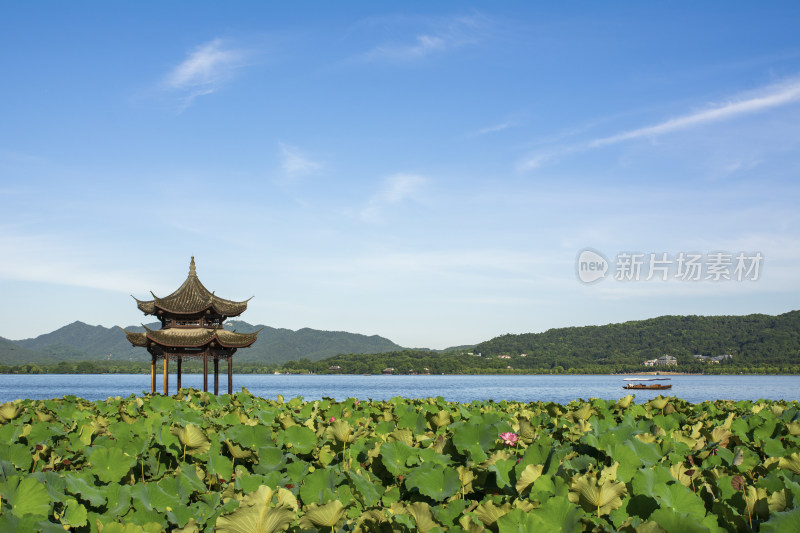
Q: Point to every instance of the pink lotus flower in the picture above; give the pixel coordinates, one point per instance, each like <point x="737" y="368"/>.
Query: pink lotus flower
<point x="333" y="419"/>
<point x="509" y="438"/>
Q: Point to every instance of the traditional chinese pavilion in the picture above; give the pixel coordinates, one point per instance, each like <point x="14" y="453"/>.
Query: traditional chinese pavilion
<point x="192" y="320"/>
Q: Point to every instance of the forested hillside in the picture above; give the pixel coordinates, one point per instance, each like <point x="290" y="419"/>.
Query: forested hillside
<point x="82" y="342"/>
<point x="751" y="339"/>
<point x="756" y="342"/>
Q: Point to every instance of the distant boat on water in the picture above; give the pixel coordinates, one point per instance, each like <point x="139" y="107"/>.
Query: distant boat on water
<point x="640" y="384"/>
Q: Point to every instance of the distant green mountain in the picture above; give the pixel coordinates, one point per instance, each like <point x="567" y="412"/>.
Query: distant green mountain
<point x="12" y="354"/>
<point x="765" y="342"/>
<point x="82" y="342"/>
<point x="751" y="339"/>
<point x="279" y="345"/>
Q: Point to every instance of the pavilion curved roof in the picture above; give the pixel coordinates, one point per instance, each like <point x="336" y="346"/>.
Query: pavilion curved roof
<point x="191" y="298"/>
<point x="192" y="337"/>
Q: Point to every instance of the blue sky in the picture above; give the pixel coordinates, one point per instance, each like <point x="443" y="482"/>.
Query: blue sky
<point x="424" y="171"/>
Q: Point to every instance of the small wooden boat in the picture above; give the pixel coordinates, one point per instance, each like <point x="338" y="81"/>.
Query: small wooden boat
<point x="639" y="385"/>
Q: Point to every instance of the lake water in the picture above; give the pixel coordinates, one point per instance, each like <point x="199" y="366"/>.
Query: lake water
<point x="561" y="389"/>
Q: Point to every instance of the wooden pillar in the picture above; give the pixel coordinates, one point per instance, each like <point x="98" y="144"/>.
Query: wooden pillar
<point x="205" y="370"/>
<point x="230" y="374"/>
<point x="216" y="375"/>
<point x="153" y="374"/>
<point x="166" y="374"/>
<point x="180" y="361"/>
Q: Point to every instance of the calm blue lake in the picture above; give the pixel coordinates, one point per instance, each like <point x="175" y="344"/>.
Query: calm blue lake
<point x="560" y="389"/>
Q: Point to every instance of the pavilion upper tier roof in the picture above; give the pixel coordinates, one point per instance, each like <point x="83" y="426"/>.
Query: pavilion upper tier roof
<point x="192" y="337"/>
<point x="191" y="298"/>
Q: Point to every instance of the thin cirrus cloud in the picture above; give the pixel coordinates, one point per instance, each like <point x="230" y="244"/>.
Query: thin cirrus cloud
<point x="396" y="190"/>
<point x="295" y="163"/>
<point x="451" y="34"/>
<point x="767" y="98"/>
<point x="207" y="68"/>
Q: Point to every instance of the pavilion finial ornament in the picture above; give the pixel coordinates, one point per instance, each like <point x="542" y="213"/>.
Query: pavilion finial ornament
<point x="192" y="269"/>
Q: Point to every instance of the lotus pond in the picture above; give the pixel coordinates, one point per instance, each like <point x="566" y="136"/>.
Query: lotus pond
<point x="242" y="464"/>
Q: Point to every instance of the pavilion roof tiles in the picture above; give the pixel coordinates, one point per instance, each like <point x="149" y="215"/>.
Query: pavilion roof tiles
<point x="191" y="298"/>
<point x="192" y="337"/>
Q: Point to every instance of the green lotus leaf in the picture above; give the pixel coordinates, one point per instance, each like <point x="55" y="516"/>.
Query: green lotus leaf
<point x="237" y="452"/>
<point x="502" y="468"/>
<point x="793" y="428"/>
<point x="434" y="481"/>
<point x="299" y="438"/>
<point x="320" y="486"/>
<point x="595" y="497"/>
<point x="191" y="527"/>
<point x="778" y="501"/>
<point x="625" y="401"/>
<point x="340" y="431"/>
<point x="26" y="496"/>
<point x="110" y="464"/>
<point x="556" y="515"/>
<point x="365" y="488"/>
<point x="584" y="412"/>
<point x="192" y="438"/>
<point x="327" y="515"/>
<point x="669" y="519"/>
<point x="422" y="516"/>
<point x="404" y="435"/>
<point x="682" y="473"/>
<point x="9" y="411"/>
<point x="782" y="522"/>
<point x="489" y="513"/>
<point x="371" y="521"/>
<point x="19" y="455"/>
<point x="395" y="456"/>
<point x="658" y="402"/>
<point x="791" y="462"/>
<point x="529" y="475"/>
<point x="74" y="514"/>
<point x="441" y="419"/>
<point x="263" y="511"/>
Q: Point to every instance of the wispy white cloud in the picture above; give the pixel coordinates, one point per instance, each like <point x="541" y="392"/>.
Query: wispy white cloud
<point x="493" y="129"/>
<point x="770" y="97"/>
<point x="447" y="35"/>
<point x="766" y="98"/>
<point x="205" y="70"/>
<point x="295" y="163"/>
<point x="396" y="190"/>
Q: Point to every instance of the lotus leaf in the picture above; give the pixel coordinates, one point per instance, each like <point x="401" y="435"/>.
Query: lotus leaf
<point x="423" y="517"/>
<point x="327" y="515"/>
<point x="529" y="475"/>
<point x="395" y="456"/>
<point x="792" y="462"/>
<point x="434" y="481"/>
<point x="441" y="419"/>
<point x="659" y="402"/>
<point x="26" y="496"/>
<point x="74" y="514"/>
<point x="237" y="452"/>
<point x="192" y="438"/>
<point x="489" y="513"/>
<point x="9" y="411"/>
<point x="298" y="438"/>
<point x="596" y="497"/>
<point x="258" y="513"/>
<point x="320" y="486"/>
<point x="341" y="431"/>
<point x="110" y="464"/>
